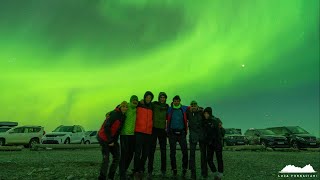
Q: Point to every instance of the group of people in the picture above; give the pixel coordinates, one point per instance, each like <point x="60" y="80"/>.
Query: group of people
<point x="139" y="124"/>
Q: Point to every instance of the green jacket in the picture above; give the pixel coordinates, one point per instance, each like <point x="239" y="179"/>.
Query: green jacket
<point x="159" y="114"/>
<point x="130" y="123"/>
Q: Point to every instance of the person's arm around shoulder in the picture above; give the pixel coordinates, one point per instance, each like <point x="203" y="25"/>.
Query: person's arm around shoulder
<point x="168" y="118"/>
<point x="200" y="109"/>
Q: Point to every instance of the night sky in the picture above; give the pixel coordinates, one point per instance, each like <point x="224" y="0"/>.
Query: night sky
<point x="255" y="62"/>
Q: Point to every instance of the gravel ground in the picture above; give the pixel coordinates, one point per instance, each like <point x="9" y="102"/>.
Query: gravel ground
<point x="85" y="163"/>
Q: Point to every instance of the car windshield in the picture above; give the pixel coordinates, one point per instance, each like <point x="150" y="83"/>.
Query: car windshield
<point x="64" y="129"/>
<point x="4" y="129"/>
<point x="266" y="132"/>
<point x="88" y="133"/>
<point x="232" y="131"/>
<point x="297" y="130"/>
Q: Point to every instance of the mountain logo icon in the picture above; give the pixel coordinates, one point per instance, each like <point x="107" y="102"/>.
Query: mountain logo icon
<point x="293" y="169"/>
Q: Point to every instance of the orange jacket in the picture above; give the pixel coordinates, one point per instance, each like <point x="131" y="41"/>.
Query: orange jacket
<point x="144" y="121"/>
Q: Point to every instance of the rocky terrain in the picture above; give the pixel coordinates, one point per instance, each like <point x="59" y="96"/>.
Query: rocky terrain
<point x="85" y="163"/>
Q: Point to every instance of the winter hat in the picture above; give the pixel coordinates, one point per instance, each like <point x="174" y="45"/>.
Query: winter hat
<point x="134" y="97"/>
<point x="162" y="94"/>
<point x="176" y="98"/>
<point x="123" y="104"/>
<point x="208" y="110"/>
<point x="148" y="93"/>
<point x="193" y="102"/>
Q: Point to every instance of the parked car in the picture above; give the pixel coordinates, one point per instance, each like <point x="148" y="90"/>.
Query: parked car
<point x="233" y="137"/>
<point x="65" y="135"/>
<point x="91" y="137"/>
<point x="297" y="136"/>
<point x="22" y="135"/>
<point x="4" y="128"/>
<point x="8" y="124"/>
<point x="266" y="138"/>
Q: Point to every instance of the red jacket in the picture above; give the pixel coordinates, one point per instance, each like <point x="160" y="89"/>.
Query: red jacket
<point x="110" y="129"/>
<point x="144" y="121"/>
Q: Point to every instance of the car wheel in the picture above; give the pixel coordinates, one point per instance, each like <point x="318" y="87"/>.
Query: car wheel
<point x="295" y="145"/>
<point x="33" y="142"/>
<point x="67" y="141"/>
<point x="2" y="142"/>
<point x="87" y="142"/>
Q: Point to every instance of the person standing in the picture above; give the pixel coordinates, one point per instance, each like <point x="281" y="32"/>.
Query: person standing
<point x="160" y="109"/>
<point x="127" y="138"/>
<point x="194" y="116"/>
<point x="143" y="131"/>
<point x="177" y="131"/>
<point x="108" y="139"/>
<point x="213" y="134"/>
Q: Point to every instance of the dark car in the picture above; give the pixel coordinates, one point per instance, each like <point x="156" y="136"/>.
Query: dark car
<point x="297" y="136"/>
<point x="233" y="137"/>
<point x="266" y="138"/>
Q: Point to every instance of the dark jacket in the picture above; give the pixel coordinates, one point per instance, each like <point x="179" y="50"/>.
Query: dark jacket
<point x="213" y="130"/>
<point x="111" y="127"/>
<point x="159" y="114"/>
<point x="195" y="123"/>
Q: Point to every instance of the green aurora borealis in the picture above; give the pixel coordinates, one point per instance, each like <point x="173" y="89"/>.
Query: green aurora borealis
<point x="256" y="62"/>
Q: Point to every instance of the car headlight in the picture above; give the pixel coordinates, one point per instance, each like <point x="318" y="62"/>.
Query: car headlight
<point x="300" y="138"/>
